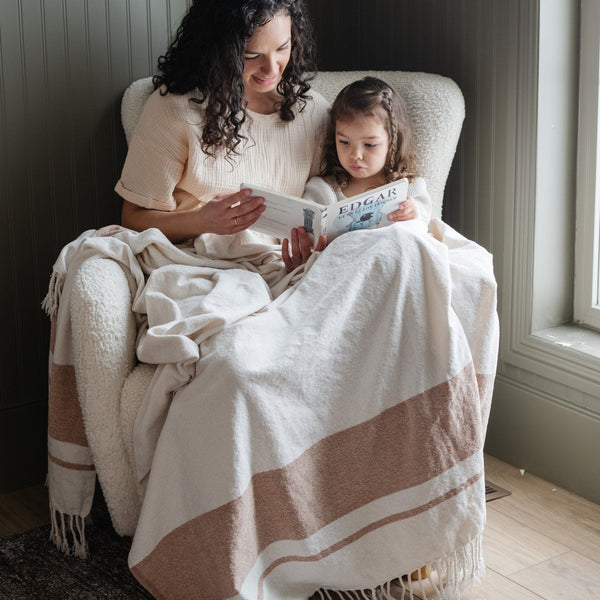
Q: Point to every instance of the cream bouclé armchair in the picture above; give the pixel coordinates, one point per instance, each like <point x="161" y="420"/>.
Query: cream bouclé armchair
<point x="111" y="382"/>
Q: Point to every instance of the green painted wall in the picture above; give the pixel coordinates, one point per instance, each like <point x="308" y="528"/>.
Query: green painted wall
<point x="63" y="65"/>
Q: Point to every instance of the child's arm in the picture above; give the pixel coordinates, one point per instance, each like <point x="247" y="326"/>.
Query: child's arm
<point x="300" y="249"/>
<point x="417" y="205"/>
<point x="318" y="190"/>
<point x="407" y="211"/>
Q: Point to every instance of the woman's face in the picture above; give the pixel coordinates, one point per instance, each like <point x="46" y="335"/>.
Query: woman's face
<point x="266" y="57"/>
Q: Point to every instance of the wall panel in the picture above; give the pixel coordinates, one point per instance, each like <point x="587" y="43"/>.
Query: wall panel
<point x="64" y="65"/>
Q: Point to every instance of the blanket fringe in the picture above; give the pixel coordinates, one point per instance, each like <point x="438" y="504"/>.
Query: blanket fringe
<point x="448" y="578"/>
<point x="67" y="532"/>
<point x="50" y="301"/>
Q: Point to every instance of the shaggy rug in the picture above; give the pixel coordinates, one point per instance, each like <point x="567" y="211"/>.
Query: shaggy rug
<point x="32" y="568"/>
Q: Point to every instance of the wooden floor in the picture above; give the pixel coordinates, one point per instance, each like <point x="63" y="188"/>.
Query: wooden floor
<point x="23" y="510"/>
<point x="540" y="543"/>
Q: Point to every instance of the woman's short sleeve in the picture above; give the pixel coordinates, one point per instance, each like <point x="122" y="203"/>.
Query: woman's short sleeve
<point x="158" y="153"/>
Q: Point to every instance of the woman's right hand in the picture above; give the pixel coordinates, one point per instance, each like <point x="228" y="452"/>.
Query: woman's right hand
<point x="229" y="213"/>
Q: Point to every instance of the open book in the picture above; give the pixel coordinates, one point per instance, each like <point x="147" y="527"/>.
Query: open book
<point x="368" y="210"/>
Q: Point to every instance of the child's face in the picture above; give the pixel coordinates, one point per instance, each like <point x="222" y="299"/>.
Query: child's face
<point x="362" y="145"/>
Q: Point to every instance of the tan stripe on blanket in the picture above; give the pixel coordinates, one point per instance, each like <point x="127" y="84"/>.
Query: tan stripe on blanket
<point x="53" y="332"/>
<point x="70" y="465"/>
<point x="382" y="454"/>
<point x="365" y="530"/>
<point x="65" y="421"/>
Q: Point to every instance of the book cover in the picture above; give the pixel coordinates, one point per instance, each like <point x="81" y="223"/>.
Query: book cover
<point x="368" y="210"/>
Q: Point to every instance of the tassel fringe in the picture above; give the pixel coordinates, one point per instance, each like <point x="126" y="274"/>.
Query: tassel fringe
<point x="50" y="301"/>
<point x="448" y="578"/>
<point x="67" y="533"/>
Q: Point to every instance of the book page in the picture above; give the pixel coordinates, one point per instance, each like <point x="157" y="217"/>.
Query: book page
<point x="366" y="211"/>
<point x="283" y="212"/>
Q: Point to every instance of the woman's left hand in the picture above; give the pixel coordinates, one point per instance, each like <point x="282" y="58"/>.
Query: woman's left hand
<point x="301" y="248"/>
<point x="408" y="210"/>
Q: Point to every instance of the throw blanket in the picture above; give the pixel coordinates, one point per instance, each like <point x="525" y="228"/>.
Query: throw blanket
<point x="318" y="431"/>
<point x="72" y="422"/>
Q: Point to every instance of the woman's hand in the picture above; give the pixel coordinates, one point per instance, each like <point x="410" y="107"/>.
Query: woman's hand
<point x="301" y="248"/>
<point x="231" y="213"/>
<point x="227" y="213"/>
<point x="408" y="210"/>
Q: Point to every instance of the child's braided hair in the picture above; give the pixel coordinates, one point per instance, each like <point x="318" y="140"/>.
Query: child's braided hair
<point x="371" y="96"/>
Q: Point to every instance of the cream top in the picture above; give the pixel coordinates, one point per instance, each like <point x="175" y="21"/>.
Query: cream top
<point x="165" y="168"/>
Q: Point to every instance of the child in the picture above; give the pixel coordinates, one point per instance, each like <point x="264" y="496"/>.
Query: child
<point x="369" y="143"/>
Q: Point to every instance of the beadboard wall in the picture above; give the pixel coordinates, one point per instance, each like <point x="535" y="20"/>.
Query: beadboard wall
<point x="64" y="65"/>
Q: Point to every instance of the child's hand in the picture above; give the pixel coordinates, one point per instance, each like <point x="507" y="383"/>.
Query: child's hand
<point x="408" y="210"/>
<point x="301" y="247"/>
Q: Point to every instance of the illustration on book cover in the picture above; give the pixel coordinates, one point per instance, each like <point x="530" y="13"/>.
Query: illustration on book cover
<point x="309" y="219"/>
<point x="362" y="215"/>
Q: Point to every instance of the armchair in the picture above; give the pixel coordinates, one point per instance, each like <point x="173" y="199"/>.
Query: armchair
<point x="110" y="381"/>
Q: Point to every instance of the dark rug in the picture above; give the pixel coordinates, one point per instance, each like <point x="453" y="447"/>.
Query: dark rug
<point x="32" y="568"/>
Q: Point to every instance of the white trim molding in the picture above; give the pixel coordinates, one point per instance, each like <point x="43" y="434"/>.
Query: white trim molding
<point x="546" y="409"/>
<point x="539" y="352"/>
<point x="586" y="309"/>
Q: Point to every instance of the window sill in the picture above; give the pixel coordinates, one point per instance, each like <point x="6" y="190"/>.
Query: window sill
<point x="562" y="363"/>
<point x="573" y="337"/>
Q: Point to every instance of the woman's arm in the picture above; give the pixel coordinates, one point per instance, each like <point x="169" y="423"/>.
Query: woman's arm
<point x="225" y="214"/>
<point x="156" y="160"/>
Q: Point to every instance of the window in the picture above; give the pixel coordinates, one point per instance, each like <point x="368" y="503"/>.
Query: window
<point x="541" y="348"/>
<point x="587" y="250"/>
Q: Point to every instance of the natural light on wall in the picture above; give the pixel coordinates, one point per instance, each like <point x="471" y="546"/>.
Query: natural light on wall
<point x="587" y="251"/>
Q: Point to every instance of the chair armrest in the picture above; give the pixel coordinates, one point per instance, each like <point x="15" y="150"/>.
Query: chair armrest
<point x="104" y="334"/>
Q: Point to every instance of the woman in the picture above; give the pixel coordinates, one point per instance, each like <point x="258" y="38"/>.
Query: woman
<point x="285" y="449"/>
<point x="231" y="105"/>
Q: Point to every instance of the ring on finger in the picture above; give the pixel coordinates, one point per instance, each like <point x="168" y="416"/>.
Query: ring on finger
<point x="235" y="221"/>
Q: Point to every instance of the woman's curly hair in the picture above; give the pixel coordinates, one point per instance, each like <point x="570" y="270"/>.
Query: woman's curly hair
<point x="372" y="97"/>
<point x="207" y="57"/>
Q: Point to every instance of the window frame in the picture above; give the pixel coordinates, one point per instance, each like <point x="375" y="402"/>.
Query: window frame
<point x="559" y="360"/>
<point x="586" y="304"/>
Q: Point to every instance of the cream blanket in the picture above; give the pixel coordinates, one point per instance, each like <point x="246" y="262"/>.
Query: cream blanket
<point x="80" y="418"/>
<point x="321" y="430"/>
